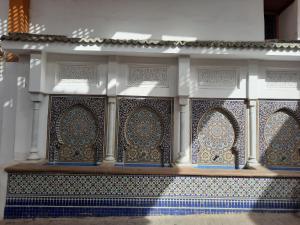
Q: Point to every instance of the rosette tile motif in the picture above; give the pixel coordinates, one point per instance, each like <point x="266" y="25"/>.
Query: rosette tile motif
<point x="218" y="132"/>
<point x="279" y="133"/>
<point x="216" y="137"/>
<point x="145" y="130"/>
<point x="143" y="133"/>
<point x="76" y="129"/>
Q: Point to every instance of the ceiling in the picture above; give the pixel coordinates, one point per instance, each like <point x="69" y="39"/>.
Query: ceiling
<point x="276" y="6"/>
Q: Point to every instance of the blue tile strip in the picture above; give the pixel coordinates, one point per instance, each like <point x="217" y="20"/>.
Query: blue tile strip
<point x="74" y="207"/>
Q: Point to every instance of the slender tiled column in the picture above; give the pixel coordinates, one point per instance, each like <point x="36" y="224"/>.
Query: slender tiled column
<point x="37" y="100"/>
<point x="110" y="153"/>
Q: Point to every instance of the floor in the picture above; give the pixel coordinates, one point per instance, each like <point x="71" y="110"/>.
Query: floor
<point x="221" y="219"/>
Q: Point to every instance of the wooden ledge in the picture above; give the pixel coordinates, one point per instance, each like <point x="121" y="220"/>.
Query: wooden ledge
<point x="174" y="171"/>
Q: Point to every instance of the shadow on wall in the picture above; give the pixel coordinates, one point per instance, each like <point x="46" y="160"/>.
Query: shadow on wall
<point x="218" y="133"/>
<point x="282" y="141"/>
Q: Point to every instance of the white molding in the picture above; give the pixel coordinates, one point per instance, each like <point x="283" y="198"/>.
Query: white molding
<point x="282" y="78"/>
<point x="79" y="77"/>
<point x="152" y="51"/>
<point x="144" y="75"/>
<point x="220" y="77"/>
<point x="71" y="72"/>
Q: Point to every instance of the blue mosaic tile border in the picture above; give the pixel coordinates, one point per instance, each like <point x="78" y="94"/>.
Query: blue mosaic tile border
<point x="53" y="207"/>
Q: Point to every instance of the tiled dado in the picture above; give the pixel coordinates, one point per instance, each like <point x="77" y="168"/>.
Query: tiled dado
<point x="279" y="133"/>
<point x="218" y="132"/>
<point x="32" y="195"/>
<point x="145" y="130"/>
<point x="76" y="129"/>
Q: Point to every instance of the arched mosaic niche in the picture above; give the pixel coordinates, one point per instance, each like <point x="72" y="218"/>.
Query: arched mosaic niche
<point x="282" y="139"/>
<point x="143" y="134"/>
<point x="217" y="133"/>
<point x="145" y="131"/>
<point x="76" y="129"/>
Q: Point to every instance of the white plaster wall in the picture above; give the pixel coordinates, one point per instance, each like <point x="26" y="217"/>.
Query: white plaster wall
<point x="8" y="99"/>
<point x="23" y="112"/>
<point x="155" y="19"/>
<point x="288" y="22"/>
<point x="3" y="16"/>
<point x="216" y="87"/>
<point x="285" y="87"/>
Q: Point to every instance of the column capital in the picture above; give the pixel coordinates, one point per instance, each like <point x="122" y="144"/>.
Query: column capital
<point x="183" y="100"/>
<point x="251" y="103"/>
<point x="112" y="99"/>
<point x="37" y="97"/>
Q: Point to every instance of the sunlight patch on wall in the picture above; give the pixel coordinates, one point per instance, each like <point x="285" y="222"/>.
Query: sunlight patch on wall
<point x="36" y="28"/>
<point x="129" y="35"/>
<point x="3" y="27"/>
<point x="81" y="86"/>
<point x="82" y="33"/>
<point x="177" y="38"/>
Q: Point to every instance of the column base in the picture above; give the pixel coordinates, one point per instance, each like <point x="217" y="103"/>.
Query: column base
<point x="183" y="161"/>
<point x="109" y="161"/>
<point x="252" y="164"/>
<point x="182" y="164"/>
<point x="33" y="156"/>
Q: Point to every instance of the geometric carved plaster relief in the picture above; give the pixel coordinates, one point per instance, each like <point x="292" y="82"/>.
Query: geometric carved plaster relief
<point x="77" y="71"/>
<point x="148" y="75"/>
<point x="218" y="77"/>
<point x="282" y="79"/>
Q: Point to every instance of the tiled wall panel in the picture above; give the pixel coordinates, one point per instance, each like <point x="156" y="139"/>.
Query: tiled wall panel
<point x="76" y="129"/>
<point x="279" y="134"/>
<point x="33" y="195"/>
<point x="218" y="132"/>
<point x="145" y="130"/>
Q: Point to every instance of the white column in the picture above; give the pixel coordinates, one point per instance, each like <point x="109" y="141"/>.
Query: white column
<point x="110" y="153"/>
<point x="112" y="76"/>
<point x="184" y="70"/>
<point x="252" y="96"/>
<point x="252" y="160"/>
<point x="184" y="156"/>
<point x="37" y="100"/>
